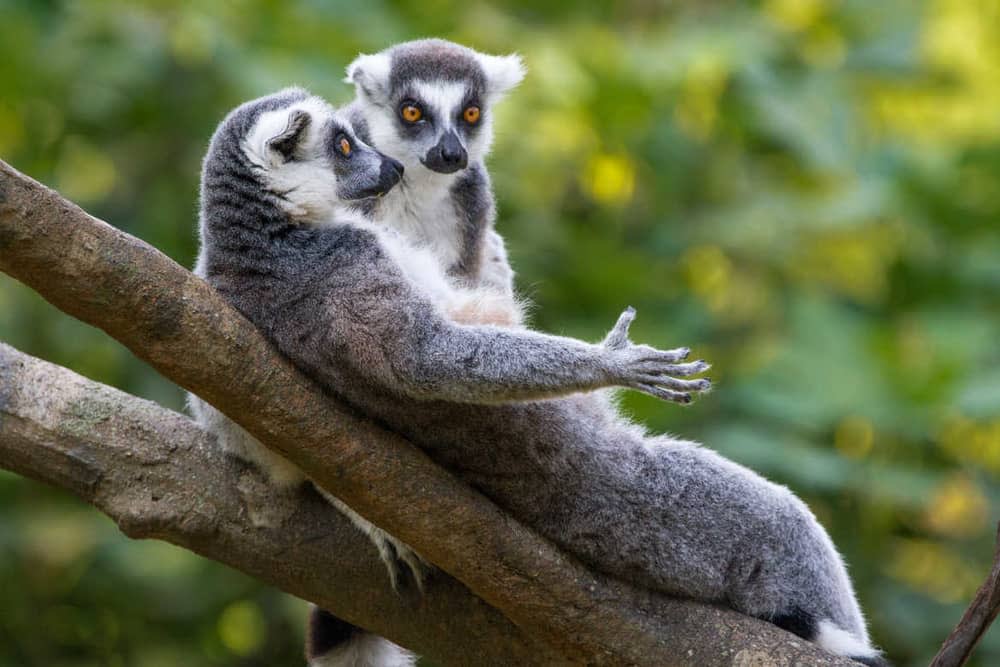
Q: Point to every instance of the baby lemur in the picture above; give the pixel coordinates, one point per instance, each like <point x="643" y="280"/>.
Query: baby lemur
<point x="510" y="411"/>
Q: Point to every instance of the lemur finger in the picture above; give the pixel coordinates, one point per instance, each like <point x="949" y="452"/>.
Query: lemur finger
<point x="617" y="338"/>
<point x="669" y="356"/>
<point x="664" y="394"/>
<point x="419" y="568"/>
<point x="702" y="384"/>
<point x="387" y="552"/>
<point x="681" y="370"/>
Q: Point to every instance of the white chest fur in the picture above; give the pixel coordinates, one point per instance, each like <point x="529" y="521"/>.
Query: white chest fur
<point x="421" y="209"/>
<point x="422" y="267"/>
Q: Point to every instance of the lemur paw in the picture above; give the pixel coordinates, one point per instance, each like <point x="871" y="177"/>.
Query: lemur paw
<point x="398" y="559"/>
<point x="649" y="370"/>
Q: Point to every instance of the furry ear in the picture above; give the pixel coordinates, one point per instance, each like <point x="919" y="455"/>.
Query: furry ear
<point x="370" y="75"/>
<point x="288" y="140"/>
<point x="502" y="72"/>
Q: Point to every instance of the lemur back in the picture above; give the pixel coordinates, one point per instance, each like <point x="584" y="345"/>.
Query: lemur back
<point x="656" y="511"/>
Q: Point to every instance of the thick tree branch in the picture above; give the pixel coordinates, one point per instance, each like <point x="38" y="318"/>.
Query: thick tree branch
<point x="179" y="325"/>
<point x="157" y="474"/>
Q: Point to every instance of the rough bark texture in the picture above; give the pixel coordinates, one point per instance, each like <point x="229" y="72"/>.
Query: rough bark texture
<point x="174" y="321"/>
<point x="158" y="475"/>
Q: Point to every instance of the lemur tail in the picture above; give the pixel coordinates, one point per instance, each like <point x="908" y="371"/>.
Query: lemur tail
<point x="837" y="640"/>
<point x="331" y="642"/>
<point x="831" y="637"/>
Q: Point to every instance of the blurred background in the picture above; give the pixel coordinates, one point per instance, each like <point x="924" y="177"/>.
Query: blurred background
<point x="804" y="191"/>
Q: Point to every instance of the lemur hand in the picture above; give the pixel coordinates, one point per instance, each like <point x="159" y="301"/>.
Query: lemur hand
<point x="649" y="370"/>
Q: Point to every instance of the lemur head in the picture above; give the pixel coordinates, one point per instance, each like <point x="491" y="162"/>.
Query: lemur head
<point x="303" y="155"/>
<point x="428" y="102"/>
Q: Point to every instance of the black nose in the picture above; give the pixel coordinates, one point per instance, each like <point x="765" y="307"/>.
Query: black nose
<point x="448" y="155"/>
<point x="390" y="172"/>
<point x="395" y="165"/>
<point x="451" y="149"/>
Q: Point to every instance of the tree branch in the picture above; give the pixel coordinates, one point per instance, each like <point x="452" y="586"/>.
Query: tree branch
<point x="185" y="330"/>
<point x="976" y="620"/>
<point x="157" y="474"/>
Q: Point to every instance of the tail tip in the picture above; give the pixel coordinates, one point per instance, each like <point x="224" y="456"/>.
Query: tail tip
<point x="326" y="632"/>
<point x="848" y="644"/>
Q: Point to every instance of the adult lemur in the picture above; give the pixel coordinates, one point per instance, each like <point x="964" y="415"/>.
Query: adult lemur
<point x="429" y="104"/>
<point x="363" y="314"/>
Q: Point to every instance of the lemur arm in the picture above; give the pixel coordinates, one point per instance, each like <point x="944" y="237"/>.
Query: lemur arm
<point x="496" y="272"/>
<point x="388" y="332"/>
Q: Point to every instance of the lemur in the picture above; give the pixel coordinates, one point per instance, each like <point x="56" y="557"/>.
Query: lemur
<point x="439" y="124"/>
<point x="313" y="200"/>
<point x="488" y="303"/>
<point x="444" y="202"/>
<point x="429" y="103"/>
<point x="513" y="412"/>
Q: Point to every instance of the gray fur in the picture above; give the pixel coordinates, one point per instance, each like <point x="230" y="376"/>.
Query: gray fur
<point x="659" y="512"/>
<point x="475" y="211"/>
<point x="452" y="213"/>
<point x="430" y="59"/>
<point x="364" y="175"/>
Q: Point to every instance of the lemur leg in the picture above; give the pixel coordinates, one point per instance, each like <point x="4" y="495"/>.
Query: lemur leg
<point x="393" y="552"/>
<point x="332" y="642"/>
<point x="268" y="490"/>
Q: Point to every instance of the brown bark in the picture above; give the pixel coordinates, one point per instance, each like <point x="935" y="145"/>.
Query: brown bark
<point x="182" y="328"/>
<point x="958" y="647"/>
<point x="157" y="474"/>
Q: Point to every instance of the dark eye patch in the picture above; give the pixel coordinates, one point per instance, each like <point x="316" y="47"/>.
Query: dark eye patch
<point x="335" y="135"/>
<point x="426" y="117"/>
<point x="470" y="129"/>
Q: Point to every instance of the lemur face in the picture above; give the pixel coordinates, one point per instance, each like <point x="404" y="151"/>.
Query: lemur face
<point x="308" y="155"/>
<point x="428" y="103"/>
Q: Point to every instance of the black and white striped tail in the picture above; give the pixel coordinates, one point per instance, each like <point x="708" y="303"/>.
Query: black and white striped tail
<point x="332" y="642"/>
<point x="825" y="633"/>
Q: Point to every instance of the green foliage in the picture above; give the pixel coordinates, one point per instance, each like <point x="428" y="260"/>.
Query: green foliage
<point x="802" y="190"/>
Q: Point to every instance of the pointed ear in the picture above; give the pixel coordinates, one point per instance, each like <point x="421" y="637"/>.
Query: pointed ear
<point x="288" y="140"/>
<point x="502" y="72"/>
<point x="370" y="75"/>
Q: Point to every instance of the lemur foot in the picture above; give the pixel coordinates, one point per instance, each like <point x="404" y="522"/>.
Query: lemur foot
<point x="398" y="559"/>
<point x="397" y="556"/>
<point x="649" y="370"/>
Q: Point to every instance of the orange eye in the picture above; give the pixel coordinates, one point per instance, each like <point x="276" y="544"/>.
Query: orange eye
<point x="345" y="146"/>
<point x="411" y="113"/>
<point x="471" y="115"/>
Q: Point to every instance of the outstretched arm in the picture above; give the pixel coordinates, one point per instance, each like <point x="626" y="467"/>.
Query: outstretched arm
<point x="417" y="353"/>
